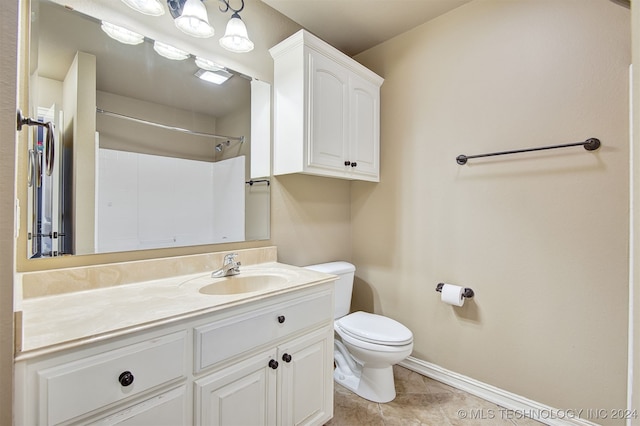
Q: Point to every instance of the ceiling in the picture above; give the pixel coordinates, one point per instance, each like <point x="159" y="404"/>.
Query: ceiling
<point x="353" y="26"/>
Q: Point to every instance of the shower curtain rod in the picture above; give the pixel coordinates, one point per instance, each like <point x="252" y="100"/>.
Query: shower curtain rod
<point x="164" y="126"/>
<point x="590" y="144"/>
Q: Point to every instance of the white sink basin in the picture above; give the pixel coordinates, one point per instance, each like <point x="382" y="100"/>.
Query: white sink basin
<point x="238" y="284"/>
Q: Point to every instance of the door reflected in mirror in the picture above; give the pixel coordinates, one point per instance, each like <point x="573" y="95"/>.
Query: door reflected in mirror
<point x="148" y="155"/>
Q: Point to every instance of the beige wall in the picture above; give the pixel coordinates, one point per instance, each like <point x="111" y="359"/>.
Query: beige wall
<point x="541" y="238"/>
<point x="310" y="219"/>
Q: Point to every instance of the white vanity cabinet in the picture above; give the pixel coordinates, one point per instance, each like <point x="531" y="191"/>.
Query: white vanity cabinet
<point x="288" y="382"/>
<point x="288" y="385"/>
<point x="327" y="111"/>
<point x="263" y="362"/>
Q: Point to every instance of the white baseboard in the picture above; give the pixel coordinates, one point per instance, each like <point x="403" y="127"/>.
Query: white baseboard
<point x="518" y="405"/>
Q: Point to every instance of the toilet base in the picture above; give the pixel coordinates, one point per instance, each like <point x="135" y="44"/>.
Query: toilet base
<point x="374" y="384"/>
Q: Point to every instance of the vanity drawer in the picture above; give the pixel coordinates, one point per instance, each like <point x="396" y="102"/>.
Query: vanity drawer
<point x="78" y="387"/>
<point x="220" y="340"/>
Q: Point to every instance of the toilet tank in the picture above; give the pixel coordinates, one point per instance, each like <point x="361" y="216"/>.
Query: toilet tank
<point x="344" y="284"/>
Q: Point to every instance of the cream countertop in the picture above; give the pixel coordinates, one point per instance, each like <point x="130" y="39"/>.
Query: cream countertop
<point x="70" y="319"/>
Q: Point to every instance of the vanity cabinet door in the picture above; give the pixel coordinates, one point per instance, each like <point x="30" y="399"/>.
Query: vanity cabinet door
<point x="306" y="379"/>
<point x="241" y="394"/>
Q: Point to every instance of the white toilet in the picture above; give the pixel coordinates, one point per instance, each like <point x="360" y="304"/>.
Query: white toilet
<point x="368" y="345"/>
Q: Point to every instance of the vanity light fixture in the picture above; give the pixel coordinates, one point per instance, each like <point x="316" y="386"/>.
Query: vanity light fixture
<point x="193" y="19"/>
<point x="148" y="7"/>
<point x="121" y="34"/>
<point x="235" y="37"/>
<point x="169" y="51"/>
<point x="216" y="77"/>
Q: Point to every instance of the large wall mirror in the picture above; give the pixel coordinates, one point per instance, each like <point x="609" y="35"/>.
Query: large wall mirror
<point x="147" y="154"/>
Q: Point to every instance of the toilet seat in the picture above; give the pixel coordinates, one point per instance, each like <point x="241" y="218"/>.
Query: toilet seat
<point x="375" y="329"/>
<point x="371" y="347"/>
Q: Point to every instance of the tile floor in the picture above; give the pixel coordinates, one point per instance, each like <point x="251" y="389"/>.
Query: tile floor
<point x="421" y="401"/>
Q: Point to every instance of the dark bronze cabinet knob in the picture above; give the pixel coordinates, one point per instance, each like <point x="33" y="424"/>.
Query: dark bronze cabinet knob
<point x="126" y="378"/>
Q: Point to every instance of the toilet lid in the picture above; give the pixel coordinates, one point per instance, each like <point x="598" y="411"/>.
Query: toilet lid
<point x="375" y="329"/>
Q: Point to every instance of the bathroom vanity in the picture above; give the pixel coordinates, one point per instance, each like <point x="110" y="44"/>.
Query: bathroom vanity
<point x="167" y="352"/>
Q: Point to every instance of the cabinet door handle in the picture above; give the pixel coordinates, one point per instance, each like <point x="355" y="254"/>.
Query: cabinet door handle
<point x="281" y="319"/>
<point x="126" y="378"/>
<point x="273" y="364"/>
<point x="354" y="164"/>
<point x="286" y="358"/>
<point x="347" y="163"/>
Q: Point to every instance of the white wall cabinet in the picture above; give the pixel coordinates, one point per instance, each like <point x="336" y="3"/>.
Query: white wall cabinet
<point x="268" y="362"/>
<point x="327" y="111"/>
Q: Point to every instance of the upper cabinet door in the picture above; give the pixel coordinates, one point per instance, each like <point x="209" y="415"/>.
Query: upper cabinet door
<point x="364" y="154"/>
<point x="328" y="112"/>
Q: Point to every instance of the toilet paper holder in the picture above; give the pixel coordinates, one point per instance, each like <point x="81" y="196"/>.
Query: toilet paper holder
<point x="467" y="294"/>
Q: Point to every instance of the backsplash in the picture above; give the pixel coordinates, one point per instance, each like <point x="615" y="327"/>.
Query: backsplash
<point x="58" y="281"/>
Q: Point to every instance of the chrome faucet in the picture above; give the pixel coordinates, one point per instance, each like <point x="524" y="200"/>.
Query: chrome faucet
<point x="229" y="267"/>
